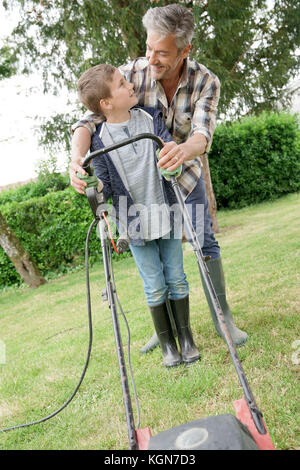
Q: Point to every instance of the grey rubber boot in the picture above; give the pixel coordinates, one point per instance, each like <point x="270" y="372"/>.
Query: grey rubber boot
<point x="150" y="345"/>
<point x="167" y="342"/>
<point x="153" y="341"/>
<point x="181" y="313"/>
<point x="215" y="268"/>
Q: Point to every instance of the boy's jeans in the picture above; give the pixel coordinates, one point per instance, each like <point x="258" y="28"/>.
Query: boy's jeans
<point x="160" y="264"/>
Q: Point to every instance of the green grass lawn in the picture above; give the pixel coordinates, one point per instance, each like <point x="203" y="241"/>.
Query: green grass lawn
<point x="44" y="338"/>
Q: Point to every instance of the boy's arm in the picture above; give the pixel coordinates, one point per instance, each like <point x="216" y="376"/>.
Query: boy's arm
<point x="81" y="142"/>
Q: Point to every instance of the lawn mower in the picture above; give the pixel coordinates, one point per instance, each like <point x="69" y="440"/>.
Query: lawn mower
<point x="247" y="430"/>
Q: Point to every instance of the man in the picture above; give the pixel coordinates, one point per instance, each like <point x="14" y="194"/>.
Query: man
<point x="187" y="93"/>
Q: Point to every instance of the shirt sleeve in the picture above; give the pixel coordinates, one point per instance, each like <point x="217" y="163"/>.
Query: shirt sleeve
<point x="205" y="113"/>
<point x="89" y="121"/>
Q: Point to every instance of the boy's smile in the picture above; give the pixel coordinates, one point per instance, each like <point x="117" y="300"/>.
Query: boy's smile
<point x="122" y="97"/>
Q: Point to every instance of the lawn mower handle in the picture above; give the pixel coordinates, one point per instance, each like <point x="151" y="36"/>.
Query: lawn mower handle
<point x="254" y="410"/>
<point x="100" y="152"/>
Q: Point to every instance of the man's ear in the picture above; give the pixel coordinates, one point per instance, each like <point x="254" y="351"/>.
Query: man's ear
<point x="185" y="51"/>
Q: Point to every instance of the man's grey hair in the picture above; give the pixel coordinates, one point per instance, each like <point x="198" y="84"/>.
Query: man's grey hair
<point x="172" y="19"/>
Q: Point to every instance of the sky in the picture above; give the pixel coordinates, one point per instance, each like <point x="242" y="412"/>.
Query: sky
<point x="21" y="102"/>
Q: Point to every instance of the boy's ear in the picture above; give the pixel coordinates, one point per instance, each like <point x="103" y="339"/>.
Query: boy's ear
<point x="105" y="104"/>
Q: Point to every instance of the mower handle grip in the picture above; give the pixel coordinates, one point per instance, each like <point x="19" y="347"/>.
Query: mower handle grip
<point x="110" y="148"/>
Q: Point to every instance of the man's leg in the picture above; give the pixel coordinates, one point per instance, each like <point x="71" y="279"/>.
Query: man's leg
<point x="198" y="207"/>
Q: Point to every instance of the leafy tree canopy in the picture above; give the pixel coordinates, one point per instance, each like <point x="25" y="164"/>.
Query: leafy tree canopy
<point x="251" y="47"/>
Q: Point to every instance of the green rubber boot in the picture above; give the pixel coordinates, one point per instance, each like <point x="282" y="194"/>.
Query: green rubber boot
<point x="181" y="313"/>
<point x="215" y="268"/>
<point x="153" y="341"/>
<point x="167" y="342"/>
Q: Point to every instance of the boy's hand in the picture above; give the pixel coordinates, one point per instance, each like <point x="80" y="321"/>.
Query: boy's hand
<point x="91" y="181"/>
<point x="81" y="141"/>
<point x="171" y="156"/>
<point x="78" y="184"/>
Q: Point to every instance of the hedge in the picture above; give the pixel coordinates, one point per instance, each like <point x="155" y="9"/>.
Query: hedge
<point x="252" y="160"/>
<point x="255" y="159"/>
<point x="52" y="229"/>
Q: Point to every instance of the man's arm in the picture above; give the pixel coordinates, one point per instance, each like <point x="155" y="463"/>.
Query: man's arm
<point x="81" y="141"/>
<point x="172" y="156"/>
<point x="202" y="127"/>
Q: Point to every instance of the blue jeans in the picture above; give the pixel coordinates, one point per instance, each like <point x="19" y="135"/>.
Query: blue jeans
<point x="198" y="207"/>
<point x="160" y="264"/>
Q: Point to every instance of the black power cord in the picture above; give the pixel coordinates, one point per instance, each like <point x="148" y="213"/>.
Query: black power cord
<point x="42" y="420"/>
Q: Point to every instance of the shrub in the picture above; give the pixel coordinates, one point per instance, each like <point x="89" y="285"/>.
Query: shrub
<point x="52" y="229"/>
<point x="42" y="186"/>
<point x="255" y="159"/>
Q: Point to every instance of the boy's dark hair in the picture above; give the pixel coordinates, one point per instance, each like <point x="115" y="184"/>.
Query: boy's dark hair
<point x="94" y="85"/>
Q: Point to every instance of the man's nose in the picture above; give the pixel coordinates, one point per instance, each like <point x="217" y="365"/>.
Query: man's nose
<point x="152" y="58"/>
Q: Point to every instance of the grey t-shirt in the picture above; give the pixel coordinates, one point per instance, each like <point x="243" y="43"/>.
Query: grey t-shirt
<point x="138" y="167"/>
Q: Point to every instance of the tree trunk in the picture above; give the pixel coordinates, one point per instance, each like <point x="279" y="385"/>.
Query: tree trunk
<point x="210" y="193"/>
<point x="20" y="258"/>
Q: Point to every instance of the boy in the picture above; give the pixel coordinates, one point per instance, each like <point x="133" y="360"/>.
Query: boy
<point x="131" y="172"/>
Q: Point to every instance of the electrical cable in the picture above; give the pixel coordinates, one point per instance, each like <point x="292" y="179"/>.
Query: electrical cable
<point x="128" y="347"/>
<point x="89" y="346"/>
<point x="110" y="234"/>
<point x="66" y="403"/>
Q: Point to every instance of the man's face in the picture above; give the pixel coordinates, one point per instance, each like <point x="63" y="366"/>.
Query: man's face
<point x="163" y="55"/>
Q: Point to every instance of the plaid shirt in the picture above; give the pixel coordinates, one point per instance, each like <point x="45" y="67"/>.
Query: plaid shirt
<point x="192" y="110"/>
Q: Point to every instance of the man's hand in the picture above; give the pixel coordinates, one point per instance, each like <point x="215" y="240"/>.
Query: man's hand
<point x="172" y="155"/>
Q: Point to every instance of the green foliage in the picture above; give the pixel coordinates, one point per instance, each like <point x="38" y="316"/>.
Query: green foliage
<point x="7" y="62"/>
<point x="55" y="133"/>
<point x="42" y="186"/>
<point x="52" y="229"/>
<point x="255" y="159"/>
<point x="251" y="47"/>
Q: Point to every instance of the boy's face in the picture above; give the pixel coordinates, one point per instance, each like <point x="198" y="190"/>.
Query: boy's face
<point x="164" y="57"/>
<point x="122" y="93"/>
